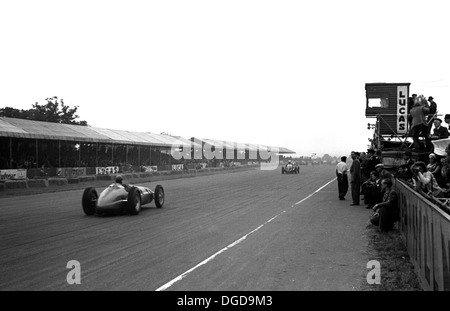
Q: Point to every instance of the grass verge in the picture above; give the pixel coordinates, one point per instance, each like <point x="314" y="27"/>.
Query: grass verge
<point x="397" y="271"/>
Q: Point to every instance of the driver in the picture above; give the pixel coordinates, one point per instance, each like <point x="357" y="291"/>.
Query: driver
<point x="119" y="180"/>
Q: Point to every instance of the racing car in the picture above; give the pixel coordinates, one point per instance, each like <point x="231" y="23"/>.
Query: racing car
<point x="119" y="198"/>
<point x="290" y="168"/>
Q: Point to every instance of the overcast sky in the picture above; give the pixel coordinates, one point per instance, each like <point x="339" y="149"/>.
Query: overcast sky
<point x="281" y="73"/>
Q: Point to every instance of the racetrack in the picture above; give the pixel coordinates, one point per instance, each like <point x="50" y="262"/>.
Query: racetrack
<point x="251" y="230"/>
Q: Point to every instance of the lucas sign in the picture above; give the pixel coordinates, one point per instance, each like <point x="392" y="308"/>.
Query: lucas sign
<point x="402" y="109"/>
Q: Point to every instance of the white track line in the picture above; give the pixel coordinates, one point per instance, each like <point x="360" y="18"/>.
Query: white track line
<point x="314" y="192"/>
<point x="183" y="275"/>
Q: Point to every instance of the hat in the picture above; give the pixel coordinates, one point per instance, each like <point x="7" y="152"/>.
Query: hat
<point x="447" y="116"/>
<point x="414" y="95"/>
<point x="430" y="98"/>
<point x="379" y="165"/>
<point x="370" y="150"/>
<point x="437" y="119"/>
<point x="432" y="155"/>
<point x="408" y="153"/>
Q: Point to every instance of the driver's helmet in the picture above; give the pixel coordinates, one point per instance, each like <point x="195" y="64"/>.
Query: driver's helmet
<point x="119" y="179"/>
<point x="289" y="161"/>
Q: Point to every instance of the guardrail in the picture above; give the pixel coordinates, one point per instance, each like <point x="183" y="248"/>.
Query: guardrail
<point x="426" y="230"/>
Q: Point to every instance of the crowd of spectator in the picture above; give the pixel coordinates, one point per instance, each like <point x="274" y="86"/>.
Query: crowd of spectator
<point x="422" y="116"/>
<point x="369" y="178"/>
<point x="432" y="178"/>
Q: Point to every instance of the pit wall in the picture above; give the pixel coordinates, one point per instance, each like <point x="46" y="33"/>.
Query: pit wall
<point x="426" y="231"/>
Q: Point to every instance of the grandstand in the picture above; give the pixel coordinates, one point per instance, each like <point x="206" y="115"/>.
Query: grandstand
<point x="43" y="148"/>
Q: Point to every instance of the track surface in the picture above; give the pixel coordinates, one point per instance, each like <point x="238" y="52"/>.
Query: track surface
<point x="217" y="231"/>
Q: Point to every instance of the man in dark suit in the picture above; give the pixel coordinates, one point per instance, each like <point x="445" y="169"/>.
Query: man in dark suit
<point x="355" y="178"/>
<point x="431" y="113"/>
<point x="439" y="131"/>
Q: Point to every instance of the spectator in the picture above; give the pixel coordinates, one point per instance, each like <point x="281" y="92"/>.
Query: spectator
<point x="431" y="113"/>
<point x="365" y="173"/>
<point x="404" y="171"/>
<point x="387" y="212"/>
<point x="372" y="189"/>
<point x="373" y="160"/>
<point x="439" y="131"/>
<point x="419" y="126"/>
<point x="445" y="171"/>
<point x="435" y="168"/>
<point x="447" y="120"/>
<point x="379" y="157"/>
<point x="355" y="178"/>
<point x="382" y="172"/>
<point x="342" y="179"/>
<point x="424" y="181"/>
<point x="411" y="101"/>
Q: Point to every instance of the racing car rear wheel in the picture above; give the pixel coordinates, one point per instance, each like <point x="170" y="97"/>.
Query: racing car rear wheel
<point x="89" y="201"/>
<point x="159" y="196"/>
<point x="134" y="201"/>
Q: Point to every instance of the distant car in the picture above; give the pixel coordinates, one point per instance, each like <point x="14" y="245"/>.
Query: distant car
<point x="117" y="198"/>
<point x="290" y="168"/>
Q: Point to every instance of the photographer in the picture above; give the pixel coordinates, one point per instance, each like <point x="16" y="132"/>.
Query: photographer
<point x="424" y="180"/>
<point x="435" y="168"/>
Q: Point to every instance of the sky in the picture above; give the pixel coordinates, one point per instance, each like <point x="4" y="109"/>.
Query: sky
<point x="279" y="73"/>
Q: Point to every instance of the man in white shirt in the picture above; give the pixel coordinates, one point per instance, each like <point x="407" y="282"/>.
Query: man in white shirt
<point x="342" y="179"/>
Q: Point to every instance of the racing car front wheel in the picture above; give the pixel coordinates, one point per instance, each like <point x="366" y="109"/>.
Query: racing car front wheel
<point x="89" y="201"/>
<point x="134" y="201"/>
<point x="159" y="196"/>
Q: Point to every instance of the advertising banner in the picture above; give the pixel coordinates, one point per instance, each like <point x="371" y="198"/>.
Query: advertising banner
<point x="177" y="167"/>
<point x="107" y="170"/>
<point x="149" y="168"/>
<point x="402" y="111"/>
<point x="13" y="174"/>
<point x="71" y="171"/>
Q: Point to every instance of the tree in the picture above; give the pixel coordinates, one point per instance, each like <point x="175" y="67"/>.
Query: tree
<point x="53" y="111"/>
<point x="15" y="113"/>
